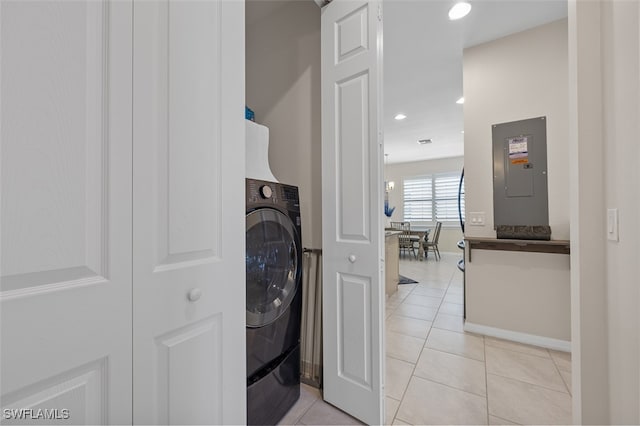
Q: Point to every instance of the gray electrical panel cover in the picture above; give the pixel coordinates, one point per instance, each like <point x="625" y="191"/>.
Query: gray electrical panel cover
<point x="520" y="173"/>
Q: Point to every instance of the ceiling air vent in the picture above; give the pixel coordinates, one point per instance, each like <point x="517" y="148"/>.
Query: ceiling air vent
<point x="424" y="141"/>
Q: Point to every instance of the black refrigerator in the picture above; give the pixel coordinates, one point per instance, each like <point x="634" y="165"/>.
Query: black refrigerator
<point x="461" y="244"/>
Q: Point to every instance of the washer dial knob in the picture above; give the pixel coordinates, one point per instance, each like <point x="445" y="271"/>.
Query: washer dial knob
<point x="266" y="191"/>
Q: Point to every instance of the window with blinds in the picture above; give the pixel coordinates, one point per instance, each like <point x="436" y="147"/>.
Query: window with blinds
<point x="418" y="199"/>
<point x="432" y="198"/>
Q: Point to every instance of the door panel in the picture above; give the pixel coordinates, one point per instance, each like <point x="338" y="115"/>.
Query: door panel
<point x="61" y="239"/>
<point x="354" y="319"/>
<point x="353" y="177"/>
<point x="189" y="297"/>
<point x="352" y="204"/>
<point x="66" y="208"/>
<point x="190" y="104"/>
<point x="77" y="395"/>
<point x="185" y="356"/>
<point x="352" y="35"/>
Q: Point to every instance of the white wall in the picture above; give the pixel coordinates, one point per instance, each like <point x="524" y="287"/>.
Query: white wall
<point x="450" y="235"/>
<point x="605" y="96"/>
<point x="521" y="76"/>
<point x="283" y="89"/>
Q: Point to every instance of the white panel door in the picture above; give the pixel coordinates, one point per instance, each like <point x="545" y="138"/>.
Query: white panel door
<point x="189" y="213"/>
<point x="353" y="241"/>
<point x="65" y="291"/>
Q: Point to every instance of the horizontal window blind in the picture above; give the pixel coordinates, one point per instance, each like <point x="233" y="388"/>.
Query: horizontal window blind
<point x="418" y="199"/>
<point x="446" y="197"/>
<point x="432" y="198"/>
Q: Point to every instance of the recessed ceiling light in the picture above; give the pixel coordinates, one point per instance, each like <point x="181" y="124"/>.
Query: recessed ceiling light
<point x="424" y="141"/>
<point x="460" y="101"/>
<point x="462" y="132"/>
<point x="400" y="116"/>
<point x="459" y="10"/>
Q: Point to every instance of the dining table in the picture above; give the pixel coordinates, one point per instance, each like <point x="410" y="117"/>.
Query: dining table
<point x="421" y="234"/>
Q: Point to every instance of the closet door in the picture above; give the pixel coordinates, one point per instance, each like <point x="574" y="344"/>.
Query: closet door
<point x="66" y="216"/>
<point x="352" y="199"/>
<point x="189" y="213"/>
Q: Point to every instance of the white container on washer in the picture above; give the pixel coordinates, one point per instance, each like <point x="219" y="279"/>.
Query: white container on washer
<point x="257" y="152"/>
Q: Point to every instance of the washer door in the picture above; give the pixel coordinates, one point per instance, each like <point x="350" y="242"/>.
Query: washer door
<point x="273" y="262"/>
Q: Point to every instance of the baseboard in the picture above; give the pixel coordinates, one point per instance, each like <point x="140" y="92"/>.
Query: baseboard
<point x="515" y="336"/>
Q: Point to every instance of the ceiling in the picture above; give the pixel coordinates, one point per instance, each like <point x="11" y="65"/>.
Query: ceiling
<point x="423" y="67"/>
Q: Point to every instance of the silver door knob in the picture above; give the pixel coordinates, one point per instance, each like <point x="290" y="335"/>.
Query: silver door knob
<point x="352" y="258"/>
<point x="194" y="294"/>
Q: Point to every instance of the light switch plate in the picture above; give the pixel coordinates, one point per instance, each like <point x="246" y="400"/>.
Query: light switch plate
<point x="476" y="218"/>
<point x="612" y="225"/>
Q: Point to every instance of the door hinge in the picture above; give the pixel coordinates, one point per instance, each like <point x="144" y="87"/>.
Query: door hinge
<point x="379" y="12"/>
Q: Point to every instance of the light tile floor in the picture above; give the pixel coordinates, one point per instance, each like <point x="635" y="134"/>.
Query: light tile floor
<point x="438" y="374"/>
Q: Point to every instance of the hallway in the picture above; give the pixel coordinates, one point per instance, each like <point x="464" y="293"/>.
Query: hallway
<point x="438" y="374"/>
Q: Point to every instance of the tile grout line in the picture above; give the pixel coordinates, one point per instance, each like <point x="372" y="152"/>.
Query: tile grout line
<point x="404" y="392"/>
<point x="506" y="420"/>
<point x="531" y="384"/>
<point x="521" y="352"/>
<point x="422" y="349"/>
<point x="486" y="376"/>
<point x="416" y="364"/>
<point x="458" y="355"/>
<point x="398" y="408"/>
<point x="318" y="398"/>
<point x="560" y="373"/>
<point x="484" y="361"/>
<point x="449" y="386"/>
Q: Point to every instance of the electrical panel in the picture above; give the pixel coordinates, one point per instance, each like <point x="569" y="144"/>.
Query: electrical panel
<point x="520" y="173"/>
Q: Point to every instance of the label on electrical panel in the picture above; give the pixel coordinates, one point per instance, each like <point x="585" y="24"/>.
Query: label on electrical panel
<point x="518" y="150"/>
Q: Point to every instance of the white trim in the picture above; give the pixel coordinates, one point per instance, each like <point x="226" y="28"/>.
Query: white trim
<point x="516" y="336"/>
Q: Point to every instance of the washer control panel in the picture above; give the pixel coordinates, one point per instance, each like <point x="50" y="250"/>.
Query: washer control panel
<point x="260" y="192"/>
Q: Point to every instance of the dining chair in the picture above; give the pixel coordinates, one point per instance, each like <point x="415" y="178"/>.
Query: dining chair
<point x="433" y="244"/>
<point x="406" y="239"/>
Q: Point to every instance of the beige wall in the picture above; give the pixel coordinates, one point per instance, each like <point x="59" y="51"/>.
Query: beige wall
<point x="283" y="89"/>
<point x="514" y="78"/>
<point x="521" y="76"/>
<point x="605" y="96"/>
<point x="590" y="381"/>
<point x="450" y="235"/>
<point x="621" y="42"/>
<point x="522" y="293"/>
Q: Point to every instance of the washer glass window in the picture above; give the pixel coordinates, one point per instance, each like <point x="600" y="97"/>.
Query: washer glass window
<point x="272" y="265"/>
